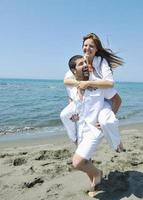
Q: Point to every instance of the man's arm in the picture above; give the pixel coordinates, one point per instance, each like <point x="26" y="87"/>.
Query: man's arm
<point x="116" y="102"/>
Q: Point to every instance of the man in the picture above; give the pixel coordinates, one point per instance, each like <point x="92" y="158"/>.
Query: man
<point x="105" y="119"/>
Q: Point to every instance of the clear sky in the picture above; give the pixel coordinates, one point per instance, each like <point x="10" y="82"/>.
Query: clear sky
<point x="37" y="37"/>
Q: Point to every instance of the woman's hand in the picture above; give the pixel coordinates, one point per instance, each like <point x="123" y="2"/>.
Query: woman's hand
<point x="83" y="85"/>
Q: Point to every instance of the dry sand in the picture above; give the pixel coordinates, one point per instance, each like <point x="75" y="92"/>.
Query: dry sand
<point x="38" y="170"/>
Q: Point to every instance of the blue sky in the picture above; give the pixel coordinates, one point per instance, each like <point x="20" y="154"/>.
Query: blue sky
<point x="37" y="37"/>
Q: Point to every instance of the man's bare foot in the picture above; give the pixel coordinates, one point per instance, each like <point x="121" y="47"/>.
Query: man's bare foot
<point x="96" y="182"/>
<point x="98" y="178"/>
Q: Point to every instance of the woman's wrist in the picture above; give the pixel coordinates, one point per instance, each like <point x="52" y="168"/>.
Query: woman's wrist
<point x="92" y="84"/>
<point x="88" y="84"/>
<point x="77" y="83"/>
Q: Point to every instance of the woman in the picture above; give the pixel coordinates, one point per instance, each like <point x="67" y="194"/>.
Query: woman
<point x="95" y="53"/>
<point x="100" y="62"/>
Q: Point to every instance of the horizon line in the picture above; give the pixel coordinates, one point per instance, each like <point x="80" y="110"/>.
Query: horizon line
<point x="61" y="79"/>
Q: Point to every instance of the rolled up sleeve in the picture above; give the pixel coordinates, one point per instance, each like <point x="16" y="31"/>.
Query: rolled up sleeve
<point x="106" y="71"/>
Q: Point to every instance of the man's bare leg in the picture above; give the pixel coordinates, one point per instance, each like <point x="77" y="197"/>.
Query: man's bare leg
<point x="87" y="166"/>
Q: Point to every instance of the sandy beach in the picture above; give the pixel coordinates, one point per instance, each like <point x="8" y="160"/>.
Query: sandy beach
<point x="38" y="169"/>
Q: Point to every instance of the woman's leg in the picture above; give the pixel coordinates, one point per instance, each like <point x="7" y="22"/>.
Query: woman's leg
<point x="110" y="126"/>
<point x="70" y="126"/>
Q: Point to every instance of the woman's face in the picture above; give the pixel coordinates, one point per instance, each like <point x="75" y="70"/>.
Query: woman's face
<point x="89" y="48"/>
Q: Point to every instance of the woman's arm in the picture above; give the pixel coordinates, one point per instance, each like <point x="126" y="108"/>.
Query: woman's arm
<point x="89" y="84"/>
<point x="103" y="69"/>
<point x="103" y="84"/>
<point x="71" y="82"/>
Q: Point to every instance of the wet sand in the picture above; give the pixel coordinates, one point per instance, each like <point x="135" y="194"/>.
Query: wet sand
<point x="38" y="169"/>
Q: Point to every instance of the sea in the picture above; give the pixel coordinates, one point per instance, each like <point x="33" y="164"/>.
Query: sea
<point x="30" y="108"/>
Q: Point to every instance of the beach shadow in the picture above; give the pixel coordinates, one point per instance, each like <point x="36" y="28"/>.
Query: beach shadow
<point x="121" y="184"/>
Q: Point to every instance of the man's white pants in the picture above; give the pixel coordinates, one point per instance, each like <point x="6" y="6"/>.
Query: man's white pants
<point x="88" y="141"/>
<point x="106" y="118"/>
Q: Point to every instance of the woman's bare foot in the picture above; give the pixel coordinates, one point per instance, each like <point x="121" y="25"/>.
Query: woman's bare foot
<point x="96" y="182"/>
<point x="120" y="148"/>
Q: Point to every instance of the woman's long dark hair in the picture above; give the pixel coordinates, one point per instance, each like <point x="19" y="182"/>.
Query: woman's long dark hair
<point x="110" y="57"/>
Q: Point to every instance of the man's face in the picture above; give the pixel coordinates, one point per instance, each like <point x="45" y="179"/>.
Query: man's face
<point x="81" y="69"/>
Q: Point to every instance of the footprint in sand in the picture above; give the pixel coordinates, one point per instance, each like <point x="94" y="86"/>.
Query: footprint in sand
<point x="54" y="154"/>
<point x="114" y="158"/>
<point x="19" y="161"/>
<point x="23" y="153"/>
<point x="136" y="162"/>
<point x="56" y="170"/>
<point x="54" y="190"/>
<point x="136" y="159"/>
<point x="97" y="162"/>
<point x="6" y="155"/>
<point x="33" y="183"/>
<point x="129" y="150"/>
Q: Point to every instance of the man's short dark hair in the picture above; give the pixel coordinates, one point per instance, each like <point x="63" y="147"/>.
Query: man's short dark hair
<point x="72" y="62"/>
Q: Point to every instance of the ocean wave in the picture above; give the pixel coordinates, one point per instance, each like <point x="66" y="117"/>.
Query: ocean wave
<point x="128" y="114"/>
<point x="49" y="125"/>
<point x="6" y="131"/>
